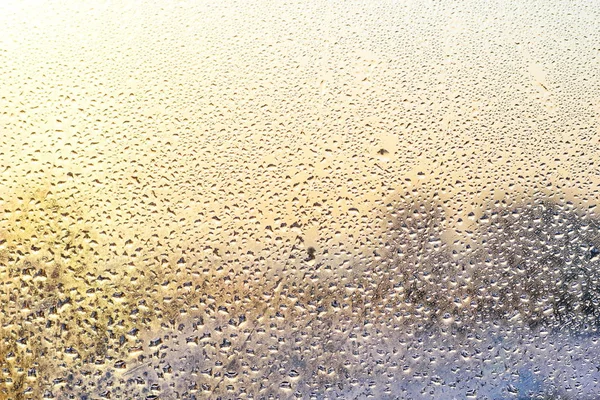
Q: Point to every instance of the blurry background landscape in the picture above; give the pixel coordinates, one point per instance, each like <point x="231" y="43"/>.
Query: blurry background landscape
<point x="387" y="199"/>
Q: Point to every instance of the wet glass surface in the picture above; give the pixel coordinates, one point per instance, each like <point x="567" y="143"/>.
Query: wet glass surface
<point x="276" y="200"/>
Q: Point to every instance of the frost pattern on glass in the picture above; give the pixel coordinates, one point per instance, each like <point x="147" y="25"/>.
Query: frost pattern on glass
<point x="261" y="200"/>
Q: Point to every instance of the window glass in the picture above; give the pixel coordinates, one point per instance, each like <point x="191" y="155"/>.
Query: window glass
<point x="299" y="199"/>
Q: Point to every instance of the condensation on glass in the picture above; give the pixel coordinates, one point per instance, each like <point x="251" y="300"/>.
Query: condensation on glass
<point x="274" y="200"/>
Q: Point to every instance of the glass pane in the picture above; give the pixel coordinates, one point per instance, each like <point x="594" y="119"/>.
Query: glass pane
<point x="261" y="200"/>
